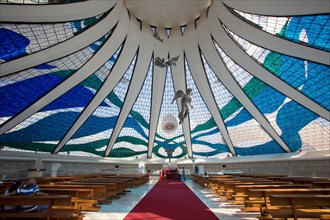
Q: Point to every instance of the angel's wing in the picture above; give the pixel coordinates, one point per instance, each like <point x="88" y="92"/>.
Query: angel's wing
<point x="156" y="35"/>
<point x="177" y="95"/>
<point x="159" y="62"/>
<point x="175" y="58"/>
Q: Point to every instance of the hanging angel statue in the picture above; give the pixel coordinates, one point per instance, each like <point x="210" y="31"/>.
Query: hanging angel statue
<point x="161" y="62"/>
<point x="156" y="36"/>
<point x="186" y="103"/>
<point x="172" y="61"/>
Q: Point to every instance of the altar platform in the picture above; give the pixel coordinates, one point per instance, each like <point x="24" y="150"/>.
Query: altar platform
<point x="169" y="173"/>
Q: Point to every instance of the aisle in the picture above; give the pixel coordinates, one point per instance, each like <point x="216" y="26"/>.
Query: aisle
<point x="121" y="207"/>
<point x="171" y="200"/>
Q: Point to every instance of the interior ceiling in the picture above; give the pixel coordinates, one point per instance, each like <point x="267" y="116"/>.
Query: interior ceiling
<point x="81" y="77"/>
<point x="162" y="13"/>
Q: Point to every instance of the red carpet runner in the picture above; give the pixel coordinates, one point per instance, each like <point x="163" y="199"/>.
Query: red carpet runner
<point x="171" y="200"/>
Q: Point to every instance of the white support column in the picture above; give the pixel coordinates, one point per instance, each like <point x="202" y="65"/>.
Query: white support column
<point x="158" y="84"/>
<point x="89" y="68"/>
<point x="197" y="70"/>
<point x="246" y="62"/>
<point x="266" y="40"/>
<point x="216" y="64"/>
<point x="127" y="54"/>
<point x="140" y="71"/>
<point x="49" y="13"/>
<point x="64" y="48"/>
<point x="280" y="8"/>
<point x="179" y="80"/>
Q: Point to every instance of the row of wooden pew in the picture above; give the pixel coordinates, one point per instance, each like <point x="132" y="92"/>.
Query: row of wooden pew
<point x="273" y="196"/>
<point x="71" y="194"/>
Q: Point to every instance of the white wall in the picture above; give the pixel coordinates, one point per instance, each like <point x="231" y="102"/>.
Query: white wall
<point x="15" y="164"/>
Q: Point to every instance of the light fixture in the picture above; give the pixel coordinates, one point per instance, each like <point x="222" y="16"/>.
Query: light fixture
<point x="169" y="124"/>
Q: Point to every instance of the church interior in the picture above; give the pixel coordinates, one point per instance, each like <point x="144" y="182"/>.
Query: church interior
<point x="129" y="109"/>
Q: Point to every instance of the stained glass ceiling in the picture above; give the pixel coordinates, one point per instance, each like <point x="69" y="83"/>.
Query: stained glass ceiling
<point x="88" y="84"/>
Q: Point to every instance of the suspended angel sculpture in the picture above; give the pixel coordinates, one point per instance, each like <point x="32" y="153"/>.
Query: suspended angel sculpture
<point x="186" y="100"/>
<point x="156" y="35"/>
<point x="161" y="62"/>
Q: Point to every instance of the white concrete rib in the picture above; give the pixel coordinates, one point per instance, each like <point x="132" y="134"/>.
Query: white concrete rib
<point x="140" y="71"/>
<point x="179" y="80"/>
<point x="217" y="65"/>
<point x="266" y="40"/>
<point x="190" y="43"/>
<point x="158" y="85"/>
<point x="89" y="68"/>
<point x="280" y="8"/>
<point x="128" y="51"/>
<point x="247" y="63"/>
<point x="51" y="13"/>
<point x="64" y="48"/>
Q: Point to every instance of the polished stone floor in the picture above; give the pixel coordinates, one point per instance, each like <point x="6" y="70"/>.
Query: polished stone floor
<point x="121" y="207"/>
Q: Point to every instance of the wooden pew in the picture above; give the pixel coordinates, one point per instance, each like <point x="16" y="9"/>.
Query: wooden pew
<point x="302" y="179"/>
<point x="208" y="181"/>
<point x="244" y="189"/>
<point x="82" y="199"/>
<point x="42" y="180"/>
<point x="112" y="189"/>
<point x="230" y="187"/>
<point x="321" y="184"/>
<point x="99" y="194"/>
<point x="46" y="180"/>
<point x="298" y="206"/>
<point x="259" y="199"/>
<point x="135" y="179"/>
<point x="241" y="190"/>
<point x="3" y="187"/>
<point x="126" y="181"/>
<point x="50" y="213"/>
<point x="119" y="186"/>
<point x="268" y="176"/>
<point x="219" y="185"/>
<point x="104" y="187"/>
<point x="140" y="179"/>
